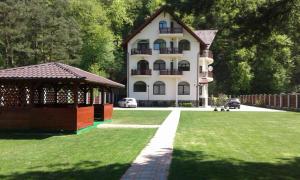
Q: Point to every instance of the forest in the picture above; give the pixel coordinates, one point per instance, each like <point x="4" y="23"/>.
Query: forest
<point x="256" y="50"/>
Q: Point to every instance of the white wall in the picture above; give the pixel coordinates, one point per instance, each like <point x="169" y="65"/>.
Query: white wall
<point x="151" y="32"/>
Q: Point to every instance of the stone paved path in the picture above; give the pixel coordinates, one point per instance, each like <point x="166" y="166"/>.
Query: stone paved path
<point x="154" y="160"/>
<point x="126" y="126"/>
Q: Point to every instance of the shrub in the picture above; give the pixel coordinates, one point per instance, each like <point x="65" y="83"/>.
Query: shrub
<point x="219" y="101"/>
<point x="259" y="102"/>
<point x="186" y="104"/>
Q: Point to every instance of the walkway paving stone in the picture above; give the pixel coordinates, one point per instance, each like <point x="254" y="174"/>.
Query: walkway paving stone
<point x="126" y="126"/>
<point x="154" y="160"/>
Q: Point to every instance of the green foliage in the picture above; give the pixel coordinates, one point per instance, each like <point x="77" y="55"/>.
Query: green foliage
<point x="256" y="49"/>
<point x="35" y="31"/>
<point x="185" y="104"/>
<point x="220" y="100"/>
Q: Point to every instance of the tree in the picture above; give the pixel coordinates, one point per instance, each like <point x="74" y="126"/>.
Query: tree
<point x="12" y="26"/>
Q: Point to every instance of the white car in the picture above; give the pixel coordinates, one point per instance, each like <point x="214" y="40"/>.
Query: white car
<point x="128" y="102"/>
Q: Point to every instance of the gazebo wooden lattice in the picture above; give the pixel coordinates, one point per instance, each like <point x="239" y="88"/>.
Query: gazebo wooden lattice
<point x="53" y="96"/>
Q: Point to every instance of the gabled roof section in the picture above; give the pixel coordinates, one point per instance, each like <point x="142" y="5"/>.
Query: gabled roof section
<point x="153" y="16"/>
<point x="207" y="36"/>
<point x="54" y="71"/>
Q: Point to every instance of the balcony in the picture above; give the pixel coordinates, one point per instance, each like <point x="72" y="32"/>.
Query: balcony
<point x="172" y="73"/>
<point x="207" y="56"/>
<point x="141" y="72"/>
<point x="142" y="52"/>
<point x="206" y="76"/>
<point x="170" y="52"/>
<point x="171" y="32"/>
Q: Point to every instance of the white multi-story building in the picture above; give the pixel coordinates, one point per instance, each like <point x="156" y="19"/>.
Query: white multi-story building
<point x="168" y="62"/>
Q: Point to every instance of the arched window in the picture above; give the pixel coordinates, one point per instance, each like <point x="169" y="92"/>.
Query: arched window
<point x="139" y="86"/>
<point x="159" y="88"/>
<point x="162" y="24"/>
<point x="184" y="45"/>
<point x="183" y="88"/>
<point x="183" y="65"/>
<point x="142" y="65"/>
<point x="159" y="43"/>
<point x="143" y="44"/>
<point x="159" y="65"/>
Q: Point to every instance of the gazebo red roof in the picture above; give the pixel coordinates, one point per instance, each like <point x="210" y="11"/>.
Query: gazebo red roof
<point x="54" y="71"/>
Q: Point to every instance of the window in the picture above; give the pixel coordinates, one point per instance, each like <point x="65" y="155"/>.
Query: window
<point x="159" y="43"/>
<point x="183" y="88"/>
<point x="140" y="86"/>
<point x="159" y="88"/>
<point x="162" y="24"/>
<point x="183" y="65"/>
<point x="184" y="45"/>
<point x="143" y="44"/>
<point x="159" y="65"/>
<point x="142" y="65"/>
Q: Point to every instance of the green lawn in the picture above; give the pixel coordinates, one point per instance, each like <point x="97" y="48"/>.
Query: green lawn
<point x="97" y="154"/>
<point x="139" y="117"/>
<point x="237" y="145"/>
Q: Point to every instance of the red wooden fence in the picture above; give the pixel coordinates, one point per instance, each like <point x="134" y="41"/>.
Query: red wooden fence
<point x="281" y="101"/>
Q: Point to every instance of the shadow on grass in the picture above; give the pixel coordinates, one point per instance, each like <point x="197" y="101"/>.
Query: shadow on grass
<point x="197" y="165"/>
<point x="82" y="170"/>
<point x="28" y="135"/>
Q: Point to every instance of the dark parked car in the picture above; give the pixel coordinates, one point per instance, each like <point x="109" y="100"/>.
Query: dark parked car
<point x="233" y="103"/>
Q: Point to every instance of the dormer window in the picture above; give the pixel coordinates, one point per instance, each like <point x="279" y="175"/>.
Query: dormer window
<point x="162" y="24"/>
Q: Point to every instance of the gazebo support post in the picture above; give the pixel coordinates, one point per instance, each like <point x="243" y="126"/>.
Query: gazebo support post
<point x="75" y="92"/>
<point x="102" y="96"/>
<point x="91" y="95"/>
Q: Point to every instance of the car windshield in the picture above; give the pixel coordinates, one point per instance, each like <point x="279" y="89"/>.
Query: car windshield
<point x="234" y="100"/>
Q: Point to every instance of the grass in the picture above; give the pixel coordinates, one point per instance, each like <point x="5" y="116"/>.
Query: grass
<point x="238" y="145"/>
<point x="97" y="154"/>
<point x="139" y="117"/>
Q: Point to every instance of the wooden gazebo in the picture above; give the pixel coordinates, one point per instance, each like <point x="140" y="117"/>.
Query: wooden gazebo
<point x="53" y="96"/>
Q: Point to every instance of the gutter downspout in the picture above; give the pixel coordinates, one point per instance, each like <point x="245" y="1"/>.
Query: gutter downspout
<point x="127" y="61"/>
<point x="197" y="80"/>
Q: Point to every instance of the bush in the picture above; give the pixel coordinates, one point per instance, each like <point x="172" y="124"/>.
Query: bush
<point x="259" y="102"/>
<point x="185" y="104"/>
<point x="219" y="101"/>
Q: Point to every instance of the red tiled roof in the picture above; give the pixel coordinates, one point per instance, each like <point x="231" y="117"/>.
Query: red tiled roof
<point x="57" y="71"/>
<point x="207" y="36"/>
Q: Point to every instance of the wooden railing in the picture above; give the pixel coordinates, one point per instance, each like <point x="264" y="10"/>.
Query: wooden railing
<point x="135" y="72"/>
<point x="174" y="30"/>
<point x="170" y="51"/>
<point x="207" y="74"/>
<point x="206" y="53"/>
<point x="141" y="51"/>
<point x="170" y="72"/>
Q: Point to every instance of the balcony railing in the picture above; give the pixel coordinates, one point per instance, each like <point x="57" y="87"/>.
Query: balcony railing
<point x="141" y="51"/>
<point x="174" y="30"/>
<point x="135" y="72"/>
<point x="207" y="74"/>
<point x="170" y="72"/>
<point x="170" y="51"/>
<point x="207" y="53"/>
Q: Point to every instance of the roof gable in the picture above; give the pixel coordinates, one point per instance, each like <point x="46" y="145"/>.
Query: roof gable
<point x="207" y="36"/>
<point x="156" y="14"/>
